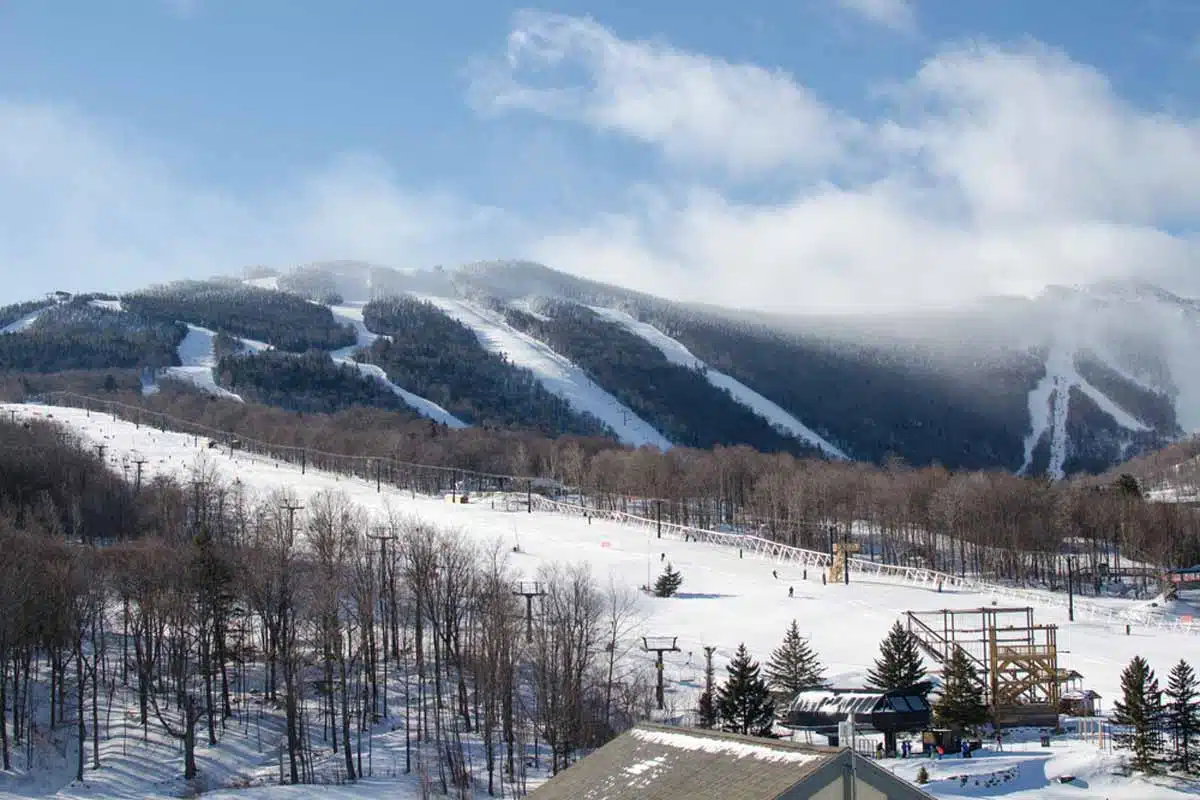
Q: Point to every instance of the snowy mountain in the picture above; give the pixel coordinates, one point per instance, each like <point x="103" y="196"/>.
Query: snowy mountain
<point x="1076" y="379"/>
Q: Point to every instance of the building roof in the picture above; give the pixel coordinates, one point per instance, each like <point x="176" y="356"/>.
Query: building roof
<point x="656" y="762"/>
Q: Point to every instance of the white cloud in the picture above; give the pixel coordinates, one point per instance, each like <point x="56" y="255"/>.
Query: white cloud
<point x="699" y="110"/>
<point x="998" y="169"/>
<point x="79" y="210"/>
<point x="995" y="169"/>
<point x="899" y="15"/>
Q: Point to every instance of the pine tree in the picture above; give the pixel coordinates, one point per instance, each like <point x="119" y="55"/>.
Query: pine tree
<point x="899" y="664"/>
<point x="961" y="704"/>
<point x="668" y="582"/>
<point x="744" y="703"/>
<point x="794" y="666"/>
<point x="1139" y="713"/>
<point x="1183" y="714"/>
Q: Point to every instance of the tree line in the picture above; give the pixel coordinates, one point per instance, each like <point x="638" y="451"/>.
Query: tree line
<point x="285" y="321"/>
<point x="79" y="336"/>
<point x="678" y="401"/>
<point x="440" y="359"/>
<point x="990" y="524"/>
<point x="188" y="600"/>
<point x="308" y="382"/>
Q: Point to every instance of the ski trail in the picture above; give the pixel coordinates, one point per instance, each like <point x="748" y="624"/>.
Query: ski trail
<point x="677" y="353"/>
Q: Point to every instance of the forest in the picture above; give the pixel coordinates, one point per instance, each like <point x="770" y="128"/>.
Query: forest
<point x="285" y="321"/>
<point x="195" y="601"/>
<point x="79" y="336"/>
<point x="875" y="400"/>
<point x="11" y="313"/>
<point x="679" y="402"/>
<point x="440" y="359"/>
<point x="311" y="382"/>
<point x="990" y="523"/>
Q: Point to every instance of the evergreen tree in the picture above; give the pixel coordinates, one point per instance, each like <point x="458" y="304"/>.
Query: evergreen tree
<point x="744" y="702"/>
<point x="1183" y="714"/>
<point x="668" y="582"/>
<point x="1139" y="713"/>
<point x="794" y="666"/>
<point x="899" y="664"/>
<point x="961" y="704"/>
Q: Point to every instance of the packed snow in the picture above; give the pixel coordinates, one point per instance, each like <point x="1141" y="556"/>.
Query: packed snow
<point x="1049" y="406"/>
<point x="198" y="361"/>
<point x="708" y="744"/>
<point x="724" y="600"/>
<point x="270" y="282"/>
<point x="22" y="324"/>
<point x="558" y="374"/>
<point x="677" y="353"/>
<point x="352" y="314"/>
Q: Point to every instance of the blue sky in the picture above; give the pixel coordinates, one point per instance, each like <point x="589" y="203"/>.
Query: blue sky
<point x="816" y="154"/>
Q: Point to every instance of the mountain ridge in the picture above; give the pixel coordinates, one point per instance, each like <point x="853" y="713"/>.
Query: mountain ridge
<point x="1076" y="379"/>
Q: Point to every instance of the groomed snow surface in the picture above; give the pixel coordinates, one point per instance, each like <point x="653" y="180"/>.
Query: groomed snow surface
<point x="198" y="359"/>
<point x="352" y="314"/>
<point x="676" y="353"/>
<point x="22" y="324"/>
<point x="1049" y="405"/>
<point x="558" y="374"/>
<point x="724" y="600"/>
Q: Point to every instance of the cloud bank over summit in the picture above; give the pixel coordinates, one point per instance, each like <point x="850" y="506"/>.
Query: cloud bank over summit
<point x="995" y="167"/>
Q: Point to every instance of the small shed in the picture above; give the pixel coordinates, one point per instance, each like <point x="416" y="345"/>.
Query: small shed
<point x="1079" y="703"/>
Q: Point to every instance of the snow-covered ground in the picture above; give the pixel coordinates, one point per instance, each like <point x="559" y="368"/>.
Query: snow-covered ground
<point x="110" y="305"/>
<point x="352" y="314"/>
<point x="198" y="360"/>
<point x="724" y="600"/>
<point x="271" y="282"/>
<point x="22" y="324"/>
<point x="676" y="353"/>
<point x="558" y="374"/>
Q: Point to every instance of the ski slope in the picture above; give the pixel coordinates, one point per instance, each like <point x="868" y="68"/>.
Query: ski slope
<point x="198" y="361"/>
<point x="24" y="323"/>
<point x="676" y="353"/>
<point x="558" y="374"/>
<point x="1049" y="405"/>
<point x="724" y="600"/>
<point x="352" y="314"/>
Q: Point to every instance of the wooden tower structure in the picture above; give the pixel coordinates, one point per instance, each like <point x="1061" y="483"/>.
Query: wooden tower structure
<point x="841" y="552"/>
<point x="1016" y="660"/>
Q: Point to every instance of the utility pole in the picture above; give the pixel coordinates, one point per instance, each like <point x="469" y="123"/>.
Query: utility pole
<point x="529" y="590"/>
<point x="659" y="645"/>
<point x="846" y="558"/>
<point x="386" y="579"/>
<point x="291" y="509"/>
<point x="658" y="513"/>
<point x="1070" y="588"/>
<point x="139" y="460"/>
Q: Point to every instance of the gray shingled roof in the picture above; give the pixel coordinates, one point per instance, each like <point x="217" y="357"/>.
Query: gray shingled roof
<point x="655" y="762"/>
